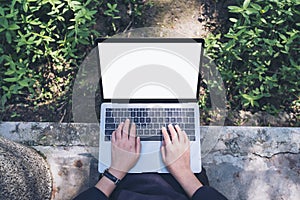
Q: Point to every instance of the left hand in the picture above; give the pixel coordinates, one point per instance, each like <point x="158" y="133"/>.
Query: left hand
<point x="125" y="148"/>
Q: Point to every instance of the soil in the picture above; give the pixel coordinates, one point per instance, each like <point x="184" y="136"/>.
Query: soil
<point x="192" y="18"/>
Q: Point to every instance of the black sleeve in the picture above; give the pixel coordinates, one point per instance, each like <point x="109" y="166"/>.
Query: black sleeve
<point x="206" y="192"/>
<point x="91" y="194"/>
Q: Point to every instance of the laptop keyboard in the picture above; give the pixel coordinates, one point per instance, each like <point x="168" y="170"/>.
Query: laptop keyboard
<point x="150" y="120"/>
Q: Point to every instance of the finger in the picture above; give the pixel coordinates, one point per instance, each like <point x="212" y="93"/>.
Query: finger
<point x="132" y="134"/>
<point x="174" y="134"/>
<point x="163" y="153"/>
<point x="138" y="145"/>
<point x="125" y="129"/>
<point x="119" y="131"/>
<point x="185" y="137"/>
<point x="179" y="132"/>
<point x="166" y="136"/>
<point x="113" y="137"/>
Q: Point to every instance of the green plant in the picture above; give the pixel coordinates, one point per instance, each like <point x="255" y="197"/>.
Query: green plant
<point x="112" y="12"/>
<point x="258" y="56"/>
<point x="41" y="42"/>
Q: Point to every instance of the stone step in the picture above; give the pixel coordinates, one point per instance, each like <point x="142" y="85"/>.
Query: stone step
<point x="241" y="162"/>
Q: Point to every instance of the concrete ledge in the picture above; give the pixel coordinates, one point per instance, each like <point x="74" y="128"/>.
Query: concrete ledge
<point x="245" y="163"/>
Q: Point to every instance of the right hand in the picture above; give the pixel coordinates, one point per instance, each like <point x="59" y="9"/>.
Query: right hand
<point x="176" y="151"/>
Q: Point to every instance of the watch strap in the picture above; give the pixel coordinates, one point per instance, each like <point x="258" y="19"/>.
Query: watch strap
<point x="111" y="177"/>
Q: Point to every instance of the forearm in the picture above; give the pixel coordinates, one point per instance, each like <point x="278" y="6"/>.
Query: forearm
<point x="188" y="182"/>
<point x="106" y="185"/>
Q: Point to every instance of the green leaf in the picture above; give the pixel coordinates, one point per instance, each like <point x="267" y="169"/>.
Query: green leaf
<point x="24" y="83"/>
<point x="11" y="80"/>
<point x="251" y="11"/>
<point x="235" y="9"/>
<point x="13" y="27"/>
<point x="234" y="20"/>
<point x="246" y="4"/>
<point x="8" y="37"/>
<point x="5" y="88"/>
<point x="83" y="41"/>
<point x="9" y="72"/>
<point x="263" y="20"/>
<point x="10" y="15"/>
<point x="4" y="23"/>
<point x="256" y="6"/>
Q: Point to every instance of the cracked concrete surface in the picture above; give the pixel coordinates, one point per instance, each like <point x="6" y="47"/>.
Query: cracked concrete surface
<point x="244" y="163"/>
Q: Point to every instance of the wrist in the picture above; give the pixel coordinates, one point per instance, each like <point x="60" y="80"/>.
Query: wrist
<point x="188" y="181"/>
<point x="182" y="174"/>
<point x="117" y="173"/>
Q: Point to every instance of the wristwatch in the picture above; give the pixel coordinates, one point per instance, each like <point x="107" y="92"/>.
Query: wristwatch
<point x="111" y="177"/>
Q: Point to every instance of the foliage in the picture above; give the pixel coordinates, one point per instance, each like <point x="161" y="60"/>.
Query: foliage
<point x="258" y="57"/>
<point x="41" y="41"/>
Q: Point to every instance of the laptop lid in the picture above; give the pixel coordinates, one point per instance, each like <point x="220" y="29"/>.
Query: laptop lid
<point x="149" y="69"/>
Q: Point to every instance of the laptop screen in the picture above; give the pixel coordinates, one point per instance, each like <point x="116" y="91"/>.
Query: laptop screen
<point x="149" y="68"/>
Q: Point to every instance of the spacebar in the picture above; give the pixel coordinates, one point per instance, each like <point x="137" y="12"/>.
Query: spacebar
<point x="151" y="138"/>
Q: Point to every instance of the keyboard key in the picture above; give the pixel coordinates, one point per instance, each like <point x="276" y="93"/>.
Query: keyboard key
<point x="110" y="126"/>
<point x="107" y="138"/>
<point x="108" y="114"/>
<point x="156" y="126"/>
<point x="123" y="119"/>
<point x="190" y="132"/>
<point x="148" y="120"/>
<point x="146" y="132"/>
<point x="189" y="126"/>
<point x="109" y="120"/>
<point x="132" y="114"/>
<point x="140" y="132"/>
<point x="117" y="120"/>
<point x="151" y="138"/>
<point x="192" y="138"/>
<point x="190" y="114"/>
<point x="108" y="132"/>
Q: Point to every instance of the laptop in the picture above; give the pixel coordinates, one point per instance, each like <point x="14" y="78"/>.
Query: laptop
<point x="153" y="82"/>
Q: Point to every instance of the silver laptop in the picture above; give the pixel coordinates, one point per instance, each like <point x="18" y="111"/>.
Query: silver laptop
<point x="153" y="82"/>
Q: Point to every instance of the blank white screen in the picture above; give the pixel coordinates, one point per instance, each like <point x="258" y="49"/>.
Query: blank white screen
<point x="149" y="70"/>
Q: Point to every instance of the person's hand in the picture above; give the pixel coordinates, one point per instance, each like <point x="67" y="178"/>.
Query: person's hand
<point x="125" y="148"/>
<point x="175" y="153"/>
<point x="176" y="150"/>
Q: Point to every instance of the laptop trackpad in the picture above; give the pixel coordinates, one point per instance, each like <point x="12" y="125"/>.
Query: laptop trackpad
<point x="150" y="159"/>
